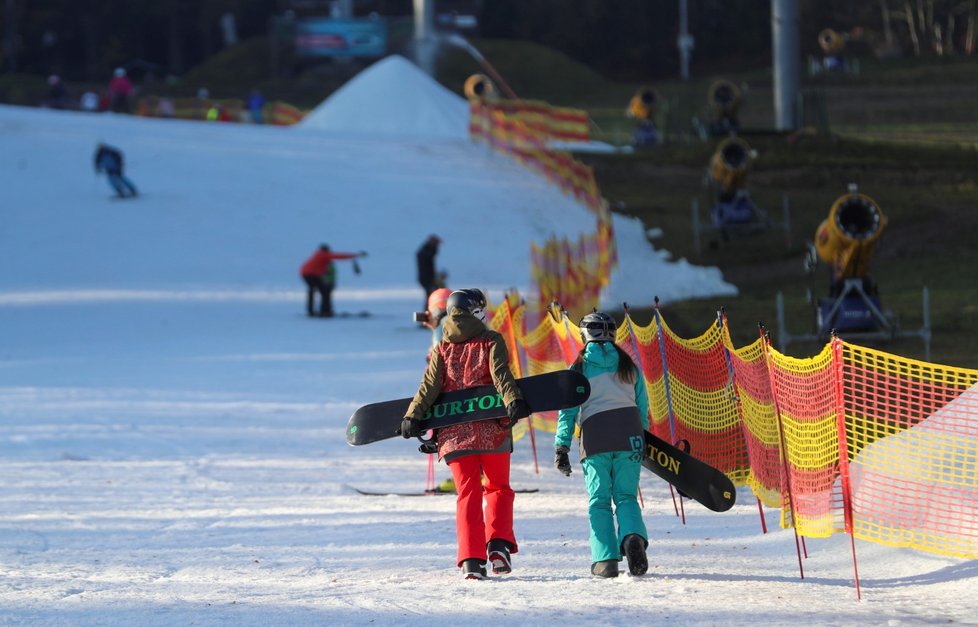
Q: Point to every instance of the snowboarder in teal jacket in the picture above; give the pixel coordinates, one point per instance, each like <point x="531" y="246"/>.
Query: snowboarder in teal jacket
<point x="612" y="424"/>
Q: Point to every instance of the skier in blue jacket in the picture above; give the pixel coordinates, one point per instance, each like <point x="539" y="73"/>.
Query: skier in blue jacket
<point x="612" y="425"/>
<point x="109" y="160"/>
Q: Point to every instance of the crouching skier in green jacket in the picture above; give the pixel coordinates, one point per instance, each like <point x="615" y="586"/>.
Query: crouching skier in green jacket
<point x="612" y="421"/>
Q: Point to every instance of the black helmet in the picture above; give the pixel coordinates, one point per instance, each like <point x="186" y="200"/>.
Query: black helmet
<point x="470" y="300"/>
<point x="598" y="327"/>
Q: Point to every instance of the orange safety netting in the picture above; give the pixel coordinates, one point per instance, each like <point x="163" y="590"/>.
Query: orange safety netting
<point x="911" y="451"/>
<point x="851" y="439"/>
<point x="560" y="123"/>
<point x="755" y="398"/>
<point x="690" y="392"/>
<point x="804" y="394"/>
<point x="570" y="273"/>
<point x="275" y="113"/>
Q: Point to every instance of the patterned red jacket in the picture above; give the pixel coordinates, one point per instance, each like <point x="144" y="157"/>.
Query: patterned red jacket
<point x="469" y="355"/>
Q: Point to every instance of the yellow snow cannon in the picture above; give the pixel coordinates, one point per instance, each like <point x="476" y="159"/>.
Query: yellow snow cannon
<point x="832" y="42"/>
<point x="643" y="103"/>
<point x="730" y="163"/>
<point x="479" y="88"/>
<point x="846" y="240"/>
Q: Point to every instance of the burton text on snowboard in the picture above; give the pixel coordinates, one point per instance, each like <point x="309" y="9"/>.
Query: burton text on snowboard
<point x="694" y="478"/>
<point x="542" y="392"/>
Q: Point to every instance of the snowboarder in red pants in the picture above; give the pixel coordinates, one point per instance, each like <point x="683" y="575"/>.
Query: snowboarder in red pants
<point x="470" y="354"/>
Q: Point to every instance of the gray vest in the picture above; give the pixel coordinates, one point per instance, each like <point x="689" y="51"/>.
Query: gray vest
<point x="613" y="430"/>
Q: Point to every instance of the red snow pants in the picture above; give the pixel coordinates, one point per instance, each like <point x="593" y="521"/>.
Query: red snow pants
<point x="473" y="529"/>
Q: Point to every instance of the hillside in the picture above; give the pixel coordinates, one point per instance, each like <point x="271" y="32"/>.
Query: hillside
<point x="902" y="130"/>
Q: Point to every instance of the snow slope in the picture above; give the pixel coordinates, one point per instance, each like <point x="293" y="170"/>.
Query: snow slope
<point x="172" y="426"/>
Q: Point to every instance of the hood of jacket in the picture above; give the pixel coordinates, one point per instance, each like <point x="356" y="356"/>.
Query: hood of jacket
<point x="601" y="355"/>
<point x="461" y="326"/>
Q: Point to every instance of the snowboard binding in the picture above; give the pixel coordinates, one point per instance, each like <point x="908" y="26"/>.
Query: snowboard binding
<point x="429" y="446"/>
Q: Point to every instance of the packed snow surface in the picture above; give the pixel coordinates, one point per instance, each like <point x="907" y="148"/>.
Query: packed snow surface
<point x="172" y="425"/>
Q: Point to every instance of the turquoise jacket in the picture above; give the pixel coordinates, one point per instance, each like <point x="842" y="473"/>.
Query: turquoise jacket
<point x="608" y="393"/>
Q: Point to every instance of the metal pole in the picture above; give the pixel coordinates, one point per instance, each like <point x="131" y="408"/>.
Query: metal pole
<point x="784" y="39"/>
<point x="10" y="37"/>
<point x="684" y="41"/>
<point x="424" y="35"/>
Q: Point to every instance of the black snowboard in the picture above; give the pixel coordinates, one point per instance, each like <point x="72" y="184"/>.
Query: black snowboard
<point x="543" y="392"/>
<point x="692" y="477"/>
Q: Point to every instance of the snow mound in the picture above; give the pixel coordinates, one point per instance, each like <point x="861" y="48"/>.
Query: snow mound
<point x="393" y="97"/>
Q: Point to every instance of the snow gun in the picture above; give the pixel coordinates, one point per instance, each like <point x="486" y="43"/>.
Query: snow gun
<point x="846" y="240"/>
<point x="832" y="42"/>
<point x="643" y="103"/>
<point x="725" y="98"/>
<point x="478" y="88"/>
<point x="730" y="163"/>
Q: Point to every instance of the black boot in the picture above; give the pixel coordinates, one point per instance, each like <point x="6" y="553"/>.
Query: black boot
<point x="473" y="568"/>
<point x="633" y="547"/>
<point x="605" y="568"/>
<point x="498" y="551"/>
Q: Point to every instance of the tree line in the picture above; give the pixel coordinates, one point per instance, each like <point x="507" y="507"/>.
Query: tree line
<point x="622" y="39"/>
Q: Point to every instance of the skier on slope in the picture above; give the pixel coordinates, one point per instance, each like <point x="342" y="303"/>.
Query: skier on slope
<point x="613" y="421"/>
<point x="427" y="275"/>
<point x="319" y="273"/>
<point x="469" y="355"/>
<point x="109" y="159"/>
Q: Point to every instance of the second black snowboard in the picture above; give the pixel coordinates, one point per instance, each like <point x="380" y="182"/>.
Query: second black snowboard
<point x="543" y="392"/>
<point x="692" y="477"/>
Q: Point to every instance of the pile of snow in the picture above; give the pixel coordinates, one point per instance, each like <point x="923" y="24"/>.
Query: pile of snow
<point x="395" y="98"/>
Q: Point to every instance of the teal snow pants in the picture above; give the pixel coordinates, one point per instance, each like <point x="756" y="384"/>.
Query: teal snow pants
<point x="612" y="478"/>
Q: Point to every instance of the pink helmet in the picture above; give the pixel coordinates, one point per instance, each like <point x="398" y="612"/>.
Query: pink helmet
<point x="437" y="301"/>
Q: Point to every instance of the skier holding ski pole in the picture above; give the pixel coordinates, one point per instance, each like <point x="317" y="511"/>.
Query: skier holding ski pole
<point x="469" y="355"/>
<point x="613" y="422"/>
<point x="319" y="273"/>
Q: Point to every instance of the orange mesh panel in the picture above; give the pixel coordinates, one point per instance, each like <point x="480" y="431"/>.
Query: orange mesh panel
<point x="805" y="398"/>
<point x="548" y="348"/>
<point x="502" y="321"/>
<point x="912" y="444"/>
<point x="765" y="477"/>
<point x="645" y="352"/>
<point x="703" y="402"/>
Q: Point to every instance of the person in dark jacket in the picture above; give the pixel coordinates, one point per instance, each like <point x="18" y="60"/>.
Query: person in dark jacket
<point x="109" y="160"/>
<point x="319" y="273"/>
<point x="427" y="276"/>
<point x="469" y="355"/>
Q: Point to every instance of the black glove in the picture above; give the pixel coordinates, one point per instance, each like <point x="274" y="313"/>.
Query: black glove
<point x="561" y="460"/>
<point x="362" y="253"/>
<point x="410" y="428"/>
<point x="517" y="409"/>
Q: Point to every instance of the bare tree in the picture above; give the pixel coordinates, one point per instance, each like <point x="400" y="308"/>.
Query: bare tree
<point x="969" y="34"/>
